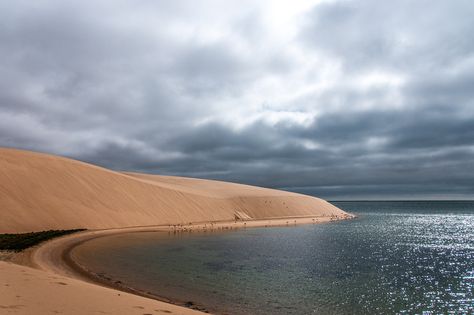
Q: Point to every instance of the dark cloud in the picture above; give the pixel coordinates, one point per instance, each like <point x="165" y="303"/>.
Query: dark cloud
<point x="343" y="100"/>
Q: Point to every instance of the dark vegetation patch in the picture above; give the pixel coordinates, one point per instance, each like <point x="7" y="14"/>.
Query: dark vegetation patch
<point x="19" y="242"/>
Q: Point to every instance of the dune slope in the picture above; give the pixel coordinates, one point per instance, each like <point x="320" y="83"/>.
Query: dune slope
<point x="40" y="192"/>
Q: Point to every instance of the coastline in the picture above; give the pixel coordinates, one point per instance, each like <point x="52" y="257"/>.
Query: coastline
<point x="55" y="257"/>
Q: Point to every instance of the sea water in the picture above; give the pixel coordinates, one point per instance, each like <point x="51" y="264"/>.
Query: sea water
<point x="395" y="258"/>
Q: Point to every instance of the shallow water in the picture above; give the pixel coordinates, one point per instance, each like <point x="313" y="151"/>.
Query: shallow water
<point x="396" y="258"/>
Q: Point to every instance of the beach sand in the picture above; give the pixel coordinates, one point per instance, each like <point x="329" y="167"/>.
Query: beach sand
<point x="41" y="192"/>
<point x="25" y="290"/>
<point x="46" y="279"/>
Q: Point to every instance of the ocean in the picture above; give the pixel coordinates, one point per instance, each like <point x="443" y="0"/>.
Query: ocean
<point x="402" y="257"/>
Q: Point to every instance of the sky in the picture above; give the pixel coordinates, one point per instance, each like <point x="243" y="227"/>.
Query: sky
<point x="338" y="99"/>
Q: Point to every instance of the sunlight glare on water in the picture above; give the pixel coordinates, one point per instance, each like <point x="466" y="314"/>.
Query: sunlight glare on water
<point x="396" y="258"/>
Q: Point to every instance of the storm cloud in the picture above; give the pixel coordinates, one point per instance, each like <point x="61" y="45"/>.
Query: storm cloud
<point x="339" y="99"/>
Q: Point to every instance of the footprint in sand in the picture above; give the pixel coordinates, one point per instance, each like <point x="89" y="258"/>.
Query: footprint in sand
<point x="62" y="283"/>
<point x="139" y="307"/>
<point x="164" y="311"/>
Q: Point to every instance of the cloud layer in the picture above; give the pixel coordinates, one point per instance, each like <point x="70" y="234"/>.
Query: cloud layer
<point x="339" y="99"/>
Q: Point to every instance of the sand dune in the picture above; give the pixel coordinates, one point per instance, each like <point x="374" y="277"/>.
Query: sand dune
<point x="40" y="192"/>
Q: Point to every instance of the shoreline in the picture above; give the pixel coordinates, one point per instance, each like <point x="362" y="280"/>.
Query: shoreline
<point x="55" y="256"/>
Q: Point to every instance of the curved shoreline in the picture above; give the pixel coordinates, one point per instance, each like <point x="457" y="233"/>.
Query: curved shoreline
<point x="55" y="256"/>
<point x="104" y="280"/>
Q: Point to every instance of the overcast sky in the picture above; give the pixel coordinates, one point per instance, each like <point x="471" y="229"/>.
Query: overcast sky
<point x="339" y="99"/>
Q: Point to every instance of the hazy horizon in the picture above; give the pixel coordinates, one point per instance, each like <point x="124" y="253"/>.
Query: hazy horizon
<point x="344" y="100"/>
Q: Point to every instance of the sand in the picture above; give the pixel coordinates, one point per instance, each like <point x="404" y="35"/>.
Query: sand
<point x="47" y="280"/>
<point x="41" y="192"/>
<point x="25" y="290"/>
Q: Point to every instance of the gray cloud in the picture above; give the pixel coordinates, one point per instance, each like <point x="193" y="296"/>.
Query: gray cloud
<point x="341" y="99"/>
<point x="403" y="35"/>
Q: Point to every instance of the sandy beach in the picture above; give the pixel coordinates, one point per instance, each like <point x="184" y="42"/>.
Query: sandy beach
<point x="40" y="192"/>
<point x="49" y="273"/>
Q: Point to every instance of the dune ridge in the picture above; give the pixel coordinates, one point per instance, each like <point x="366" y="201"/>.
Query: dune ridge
<point x="40" y="192"/>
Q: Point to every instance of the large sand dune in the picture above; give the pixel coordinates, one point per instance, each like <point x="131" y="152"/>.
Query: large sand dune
<point x="41" y="192"/>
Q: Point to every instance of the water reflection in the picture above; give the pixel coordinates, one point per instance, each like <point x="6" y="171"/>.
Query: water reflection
<point x="397" y="258"/>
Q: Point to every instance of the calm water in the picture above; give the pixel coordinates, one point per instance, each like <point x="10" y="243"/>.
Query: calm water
<point x="396" y="258"/>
